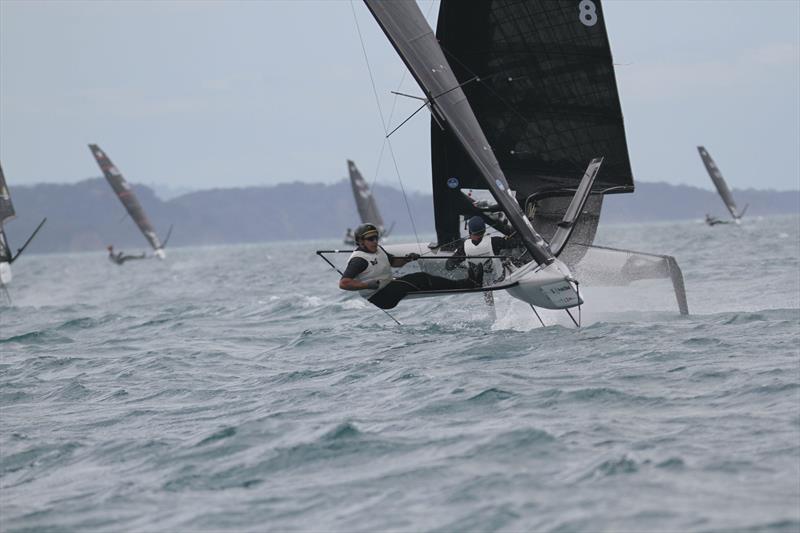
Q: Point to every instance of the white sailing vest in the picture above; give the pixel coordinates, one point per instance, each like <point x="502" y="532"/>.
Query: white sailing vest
<point x="492" y="268"/>
<point x="378" y="268"/>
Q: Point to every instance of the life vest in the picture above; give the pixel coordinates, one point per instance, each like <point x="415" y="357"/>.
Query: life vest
<point x="492" y="268"/>
<point x="378" y="268"/>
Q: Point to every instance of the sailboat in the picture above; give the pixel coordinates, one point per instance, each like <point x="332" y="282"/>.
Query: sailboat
<point x="365" y="203"/>
<point x="529" y="113"/>
<point x="7" y="213"/>
<point x="128" y="198"/>
<point x="722" y="189"/>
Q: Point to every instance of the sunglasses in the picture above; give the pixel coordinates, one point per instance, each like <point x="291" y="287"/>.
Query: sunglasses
<point x="371" y="239"/>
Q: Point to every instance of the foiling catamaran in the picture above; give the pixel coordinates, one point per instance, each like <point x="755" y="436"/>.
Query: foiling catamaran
<point x="525" y="99"/>
<point x="128" y="198"/>
<point x="365" y="203"/>
<point x="722" y="189"/>
<point x="7" y="213"/>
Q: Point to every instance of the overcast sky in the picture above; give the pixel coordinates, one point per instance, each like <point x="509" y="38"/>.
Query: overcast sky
<point x="202" y="94"/>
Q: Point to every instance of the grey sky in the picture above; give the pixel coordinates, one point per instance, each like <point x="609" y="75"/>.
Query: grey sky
<point x="204" y="94"/>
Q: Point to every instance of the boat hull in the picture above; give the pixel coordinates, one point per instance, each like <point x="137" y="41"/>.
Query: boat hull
<point x="548" y="286"/>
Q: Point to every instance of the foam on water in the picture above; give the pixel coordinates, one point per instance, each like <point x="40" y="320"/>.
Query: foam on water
<point x="237" y="388"/>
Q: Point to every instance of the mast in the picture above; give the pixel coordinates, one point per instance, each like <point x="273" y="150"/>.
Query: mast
<point x="126" y="195"/>
<point x="719" y="183"/>
<point x="413" y="39"/>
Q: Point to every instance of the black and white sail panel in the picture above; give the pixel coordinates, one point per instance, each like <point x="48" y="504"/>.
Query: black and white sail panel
<point x="6" y="207"/>
<point x="126" y="195"/>
<point x="719" y="182"/>
<point x="365" y="202"/>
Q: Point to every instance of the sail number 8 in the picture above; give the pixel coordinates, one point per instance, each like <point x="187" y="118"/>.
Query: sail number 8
<point x="587" y="13"/>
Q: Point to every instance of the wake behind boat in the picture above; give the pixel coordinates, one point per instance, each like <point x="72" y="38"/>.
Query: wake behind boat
<point x="521" y="125"/>
<point x="722" y="189"/>
<point x="128" y="198"/>
<point x="7" y="213"/>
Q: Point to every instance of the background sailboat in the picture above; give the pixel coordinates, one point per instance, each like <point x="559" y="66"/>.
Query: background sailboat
<point x="722" y="189"/>
<point x="365" y="202"/>
<point x="7" y="213"/>
<point x="128" y="198"/>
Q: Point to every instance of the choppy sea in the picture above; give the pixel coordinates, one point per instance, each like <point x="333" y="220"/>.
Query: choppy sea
<point x="236" y="388"/>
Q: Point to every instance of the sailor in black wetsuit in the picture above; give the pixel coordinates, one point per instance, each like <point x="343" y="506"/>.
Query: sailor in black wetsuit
<point x="482" y="272"/>
<point x="369" y="271"/>
<point x="120" y="257"/>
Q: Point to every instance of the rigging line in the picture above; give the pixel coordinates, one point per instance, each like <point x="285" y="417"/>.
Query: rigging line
<point x="385" y="129"/>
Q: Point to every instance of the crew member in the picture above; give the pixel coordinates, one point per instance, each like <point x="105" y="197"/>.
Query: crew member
<point x="120" y="257"/>
<point x="486" y="271"/>
<point x="369" y="271"/>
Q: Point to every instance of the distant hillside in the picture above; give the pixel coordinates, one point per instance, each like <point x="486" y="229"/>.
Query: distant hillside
<point x="87" y="215"/>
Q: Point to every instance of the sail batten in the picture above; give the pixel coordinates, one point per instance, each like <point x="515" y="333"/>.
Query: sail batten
<point x="126" y="195"/>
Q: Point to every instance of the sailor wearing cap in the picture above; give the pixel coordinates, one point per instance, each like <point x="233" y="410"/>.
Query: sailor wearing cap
<point x="369" y="271"/>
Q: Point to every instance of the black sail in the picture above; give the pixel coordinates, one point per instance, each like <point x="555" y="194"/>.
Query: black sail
<point x="126" y="196"/>
<point x="545" y="94"/>
<point x="6" y="207"/>
<point x="412" y="37"/>
<point x="365" y="202"/>
<point x="719" y="182"/>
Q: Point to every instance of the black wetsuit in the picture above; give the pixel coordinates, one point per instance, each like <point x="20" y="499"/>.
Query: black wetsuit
<point x="388" y="297"/>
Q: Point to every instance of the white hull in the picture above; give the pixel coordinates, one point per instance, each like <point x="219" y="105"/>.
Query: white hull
<point x="5" y="273"/>
<point x="160" y="253"/>
<point x="550" y="287"/>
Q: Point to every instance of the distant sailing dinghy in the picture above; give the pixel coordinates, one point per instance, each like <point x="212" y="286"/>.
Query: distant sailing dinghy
<point x="722" y="189"/>
<point x="128" y="198"/>
<point x="528" y="112"/>
<point x="7" y="213"/>
<point x="365" y="203"/>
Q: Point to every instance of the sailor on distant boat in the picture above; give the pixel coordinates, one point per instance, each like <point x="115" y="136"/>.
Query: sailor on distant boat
<point x="482" y="272"/>
<point x="120" y="257"/>
<point x="713" y="221"/>
<point x="369" y="271"/>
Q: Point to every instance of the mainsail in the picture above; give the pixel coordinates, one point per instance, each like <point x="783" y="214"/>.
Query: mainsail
<point x="409" y="33"/>
<point x="126" y="195"/>
<point x="365" y="202"/>
<point x="719" y="183"/>
<point x="540" y="78"/>
<point x="6" y="213"/>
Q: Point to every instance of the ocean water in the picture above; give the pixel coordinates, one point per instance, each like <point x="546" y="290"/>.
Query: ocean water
<point x="236" y="388"/>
